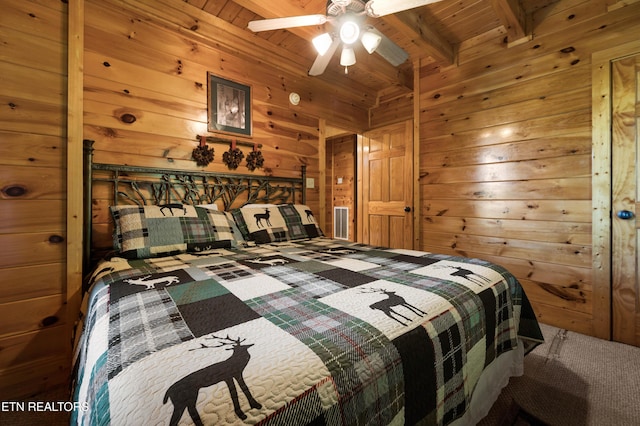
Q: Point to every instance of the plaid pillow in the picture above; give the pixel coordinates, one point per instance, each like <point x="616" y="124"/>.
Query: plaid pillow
<point x="309" y="221"/>
<point x="285" y="222"/>
<point x="149" y="231"/>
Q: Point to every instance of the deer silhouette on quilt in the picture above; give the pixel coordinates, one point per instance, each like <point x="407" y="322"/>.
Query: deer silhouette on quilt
<point x="184" y="392"/>
<point x="262" y="216"/>
<point x="270" y="262"/>
<point x="386" y="305"/>
<point x="467" y="274"/>
<point x="310" y="217"/>
<point x="151" y="284"/>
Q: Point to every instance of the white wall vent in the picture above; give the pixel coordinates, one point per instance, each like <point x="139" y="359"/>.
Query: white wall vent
<point x="341" y="223"/>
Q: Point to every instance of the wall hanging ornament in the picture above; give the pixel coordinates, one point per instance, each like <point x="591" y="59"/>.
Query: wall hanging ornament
<point x="202" y="154"/>
<point x="255" y="159"/>
<point x="233" y="157"/>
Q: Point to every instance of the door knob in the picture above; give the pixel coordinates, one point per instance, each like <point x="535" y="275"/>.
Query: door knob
<point x="407" y="209"/>
<point x="625" y="214"/>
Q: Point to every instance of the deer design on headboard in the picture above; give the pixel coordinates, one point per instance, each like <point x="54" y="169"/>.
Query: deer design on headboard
<point x="170" y="187"/>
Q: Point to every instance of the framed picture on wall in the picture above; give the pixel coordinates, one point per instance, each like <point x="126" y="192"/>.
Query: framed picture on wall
<point x="229" y="106"/>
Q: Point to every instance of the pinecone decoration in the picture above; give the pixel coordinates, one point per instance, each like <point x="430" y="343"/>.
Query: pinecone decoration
<point x="203" y="155"/>
<point x="255" y="160"/>
<point x="232" y="158"/>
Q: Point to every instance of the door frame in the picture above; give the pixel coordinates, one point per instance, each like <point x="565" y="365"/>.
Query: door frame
<point x="601" y="185"/>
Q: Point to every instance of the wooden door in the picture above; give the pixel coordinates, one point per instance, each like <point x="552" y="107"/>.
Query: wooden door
<point x="387" y="186"/>
<point x="625" y="186"/>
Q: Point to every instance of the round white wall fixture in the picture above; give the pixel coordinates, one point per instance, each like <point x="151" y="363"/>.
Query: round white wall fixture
<point x="294" y="98"/>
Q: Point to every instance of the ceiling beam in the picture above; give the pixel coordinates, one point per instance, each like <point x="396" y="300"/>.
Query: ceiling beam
<point x="513" y="18"/>
<point x="422" y="36"/>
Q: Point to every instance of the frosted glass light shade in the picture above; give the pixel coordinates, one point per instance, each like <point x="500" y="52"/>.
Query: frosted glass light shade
<point x="322" y="43"/>
<point x="348" y="57"/>
<point x="349" y="32"/>
<point x="371" y="41"/>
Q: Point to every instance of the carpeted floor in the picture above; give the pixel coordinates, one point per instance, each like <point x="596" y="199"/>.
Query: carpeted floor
<point x="570" y="380"/>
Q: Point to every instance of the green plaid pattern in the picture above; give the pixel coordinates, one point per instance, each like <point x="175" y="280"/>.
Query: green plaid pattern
<point x="348" y="347"/>
<point x="152" y="231"/>
<point x="293" y="222"/>
<point x="300" y="303"/>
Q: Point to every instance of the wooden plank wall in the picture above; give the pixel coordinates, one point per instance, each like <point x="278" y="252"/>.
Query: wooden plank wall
<point x="341" y="163"/>
<point x="135" y="64"/>
<point x="505" y="167"/>
<point x="34" y="347"/>
<point x="394" y="108"/>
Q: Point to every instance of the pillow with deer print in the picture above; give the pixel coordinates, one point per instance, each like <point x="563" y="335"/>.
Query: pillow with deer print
<point x="269" y="224"/>
<point x="150" y="231"/>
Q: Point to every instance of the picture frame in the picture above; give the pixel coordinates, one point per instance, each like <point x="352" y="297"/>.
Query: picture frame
<point x="228" y="106"/>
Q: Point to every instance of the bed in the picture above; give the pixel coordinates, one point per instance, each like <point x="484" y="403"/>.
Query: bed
<point x="252" y="316"/>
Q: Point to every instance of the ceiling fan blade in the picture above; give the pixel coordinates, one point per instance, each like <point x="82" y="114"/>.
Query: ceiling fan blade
<point x="377" y="8"/>
<point x="321" y="62"/>
<point x="290" y="22"/>
<point x="390" y="51"/>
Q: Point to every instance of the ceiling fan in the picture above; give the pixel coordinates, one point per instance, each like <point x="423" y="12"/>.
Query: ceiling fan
<point x="348" y="18"/>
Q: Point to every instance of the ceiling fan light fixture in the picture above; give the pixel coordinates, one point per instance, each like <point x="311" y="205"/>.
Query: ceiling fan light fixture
<point x="322" y="43"/>
<point x="349" y="32"/>
<point x="370" y="41"/>
<point x="348" y="57"/>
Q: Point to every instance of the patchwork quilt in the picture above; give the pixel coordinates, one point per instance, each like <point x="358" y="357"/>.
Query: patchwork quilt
<point x="318" y="332"/>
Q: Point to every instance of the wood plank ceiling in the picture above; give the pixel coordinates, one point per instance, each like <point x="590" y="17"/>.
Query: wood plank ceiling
<point x="428" y="33"/>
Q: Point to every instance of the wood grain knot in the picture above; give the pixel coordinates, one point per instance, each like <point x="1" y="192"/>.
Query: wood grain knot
<point x="14" y="191"/>
<point x="49" y="321"/>
<point x="56" y="239"/>
<point x="128" y="118"/>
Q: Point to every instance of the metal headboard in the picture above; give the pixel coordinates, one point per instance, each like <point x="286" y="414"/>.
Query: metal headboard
<point x="153" y="186"/>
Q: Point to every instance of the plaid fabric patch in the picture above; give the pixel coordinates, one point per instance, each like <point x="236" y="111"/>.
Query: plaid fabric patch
<point x="98" y="412"/>
<point x="128" y="228"/>
<point x="506" y="333"/>
<point x="314" y="255"/>
<point x="450" y="357"/>
<point x="365" y="366"/>
<point x="229" y="271"/>
<point x="241" y="224"/>
<point x="311" y="227"/>
<point x="310" y="283"/>
<point x="467" y="304"/>
<point x="149" y="231"/>
<point x="293" y="222"/>
<point x="306" y="408"/>
<point x="140" y="324"/>
<point x="395" y="271"/>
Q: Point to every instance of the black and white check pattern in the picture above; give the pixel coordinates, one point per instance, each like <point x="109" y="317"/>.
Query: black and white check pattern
<point x="401" y="336"/>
